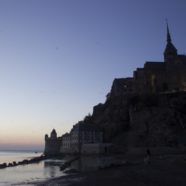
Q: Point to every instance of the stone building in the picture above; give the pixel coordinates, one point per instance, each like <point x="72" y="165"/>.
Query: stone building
<point x="52" y="144"/>
<point x="84" y="134"/>
<point x="80" y="134"/>
<point x="122" y="86"/>
<point x="156" y="77"/>
<point x="65" y="144"/>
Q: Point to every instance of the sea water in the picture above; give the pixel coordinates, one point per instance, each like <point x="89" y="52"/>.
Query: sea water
<point x="27" y="174"/>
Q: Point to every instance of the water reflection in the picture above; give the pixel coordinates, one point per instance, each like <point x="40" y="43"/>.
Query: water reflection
<point x="51" y="171"/>
<point x="23" y="175"/>
<point x="52" y="167"/>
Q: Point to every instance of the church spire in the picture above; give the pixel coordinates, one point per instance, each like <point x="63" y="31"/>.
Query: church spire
<point x="169" y="40"/>
<point x="170" y="51"/>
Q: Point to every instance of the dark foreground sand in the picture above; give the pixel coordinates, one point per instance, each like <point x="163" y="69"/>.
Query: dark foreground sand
<point x="161" y="171"/>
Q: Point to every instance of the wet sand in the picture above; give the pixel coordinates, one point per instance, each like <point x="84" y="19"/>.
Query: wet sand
<point x="161" y="171"/>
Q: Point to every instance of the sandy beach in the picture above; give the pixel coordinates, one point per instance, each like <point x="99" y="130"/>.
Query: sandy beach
<point x="166" y="170"/>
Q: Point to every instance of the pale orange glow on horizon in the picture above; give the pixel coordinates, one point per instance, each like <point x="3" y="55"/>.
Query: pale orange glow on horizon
<point x="26" y="135"/>
<point x="16" y="134"/>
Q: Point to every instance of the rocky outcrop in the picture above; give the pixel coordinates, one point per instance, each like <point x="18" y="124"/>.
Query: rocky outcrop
<point x="152" y="120"/>
<point x="112" y="117"/>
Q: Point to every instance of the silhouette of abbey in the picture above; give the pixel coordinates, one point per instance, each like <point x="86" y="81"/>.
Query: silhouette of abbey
<point x="156" y="77"/>
<point x="165" y="78"/>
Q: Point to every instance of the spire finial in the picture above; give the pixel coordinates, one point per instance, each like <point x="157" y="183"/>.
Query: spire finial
<point x="168" y="33"/>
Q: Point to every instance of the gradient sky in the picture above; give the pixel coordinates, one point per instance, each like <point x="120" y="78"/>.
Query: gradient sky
<point x="58" y="58"/>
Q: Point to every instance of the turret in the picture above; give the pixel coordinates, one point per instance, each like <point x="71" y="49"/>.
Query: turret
<point x="46" y="137"/>
<point x="53" y="134"/>
<point x="170" y="52"/>
<point x="52" y="144"/>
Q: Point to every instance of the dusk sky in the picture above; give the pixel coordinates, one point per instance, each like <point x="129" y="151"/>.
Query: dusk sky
<point x="58" y="58"/>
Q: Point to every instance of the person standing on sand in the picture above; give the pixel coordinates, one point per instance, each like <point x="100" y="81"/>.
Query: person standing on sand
<point x="147" y="158"/>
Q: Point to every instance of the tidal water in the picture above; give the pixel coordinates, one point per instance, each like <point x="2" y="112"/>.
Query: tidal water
<point x="27" y="174"/>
